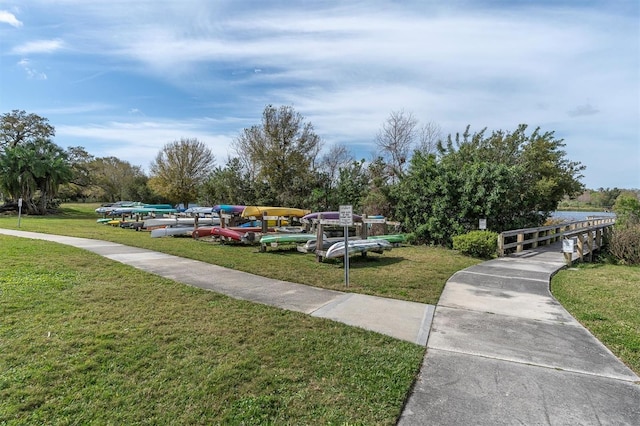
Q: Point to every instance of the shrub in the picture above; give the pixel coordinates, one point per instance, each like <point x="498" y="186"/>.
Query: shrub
<point x="482" y="244"/>
<point x="624" y="244"/>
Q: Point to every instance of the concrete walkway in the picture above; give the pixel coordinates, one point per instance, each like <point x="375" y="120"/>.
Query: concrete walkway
<point x="403" y="320"/>
<point x="501" y="350"/>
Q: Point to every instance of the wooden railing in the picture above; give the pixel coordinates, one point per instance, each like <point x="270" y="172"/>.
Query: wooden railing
<point x="590" y="231"/>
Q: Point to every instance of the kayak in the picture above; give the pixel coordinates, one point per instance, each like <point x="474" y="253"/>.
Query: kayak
<point x="260" y="211"/>
<point x="286" y="238"/>
<point x="328" y="216"/>
<point x="357" y="246"/>
<point x="392" y="238"/>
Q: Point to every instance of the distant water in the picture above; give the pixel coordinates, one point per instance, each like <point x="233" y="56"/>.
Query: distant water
<point x="572" y="216"/>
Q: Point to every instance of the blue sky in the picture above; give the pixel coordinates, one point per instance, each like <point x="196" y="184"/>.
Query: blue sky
<point x="123" y="78"/>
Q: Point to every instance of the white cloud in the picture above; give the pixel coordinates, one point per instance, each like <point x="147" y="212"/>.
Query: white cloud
<point x="32" y="73"/>
<point x="9" y="18"/>
<point x="561" y="66"/>
<point x="39" y="46"/>
<point x="140" y="142"/>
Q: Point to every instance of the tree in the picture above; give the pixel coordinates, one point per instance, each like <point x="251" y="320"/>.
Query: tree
<point x="627" y="209"/>
<point x="396" y="140"/>
<point x="17" y="127"/>
<point x="282" y="153"/>
<point x="428" y="137"/>
<point x="229" y="185"/>
<point x="33" y="171"/>
<point x="113" y="179"/>
<point x="512" y="179"/>
<point x="333" y="160"/>
<point x="353" y="182"/>
<point x="79" y="186"/>
<point x="180" y="168"/>
<point x="378" y="198"/>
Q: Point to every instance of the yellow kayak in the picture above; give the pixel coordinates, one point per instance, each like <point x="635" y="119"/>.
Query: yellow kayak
<point x="260" y="211"/>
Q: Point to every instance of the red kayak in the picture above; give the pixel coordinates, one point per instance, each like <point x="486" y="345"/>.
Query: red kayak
<point x="227" y="233"/>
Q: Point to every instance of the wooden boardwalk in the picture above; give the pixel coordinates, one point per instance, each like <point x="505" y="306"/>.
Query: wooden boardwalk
<point x="572" y="240"/>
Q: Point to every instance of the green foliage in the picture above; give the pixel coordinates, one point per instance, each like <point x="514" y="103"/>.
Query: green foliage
<point x="481" y="244"/>
<point x="513" y="180"/>
<point x="179" y="170"/>
<point x="627" y="209"/>
<point x="228" y="185"/>
<point x="281" y="152"/>
<point x="113" y="179"/>
<point x="33" y="171"/>
<point x="17" y="128"/>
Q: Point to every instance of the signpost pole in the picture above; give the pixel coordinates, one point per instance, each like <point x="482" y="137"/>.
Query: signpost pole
<point x="19" y="210"/>
<point x="346" y="220"/>
<point x="346" y="256"/>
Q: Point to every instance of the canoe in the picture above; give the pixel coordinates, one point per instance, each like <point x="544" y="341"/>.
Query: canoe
<point x="169" y="221"/>
<point x="199" y="210"/>
<point x="228" y="233"/>
<point x="311" y="245"/>
<point x="158" y="206"/>
<point x="202" y="231"/>
<point x="329" y="216"/>
<point x="258" y="224"/>
<point x="392" y="238"/>
<point x="172" y="231"/>
<point x="259" y="211"/>
<point x="286" y="238"/>
<point x="357" y="246"/>
<point x="108" y="208"/>
<point x="156" y="210"/>
<point x="228" y="208"/>
<point x="289" y="229"/>
<point x="104" y="220"/>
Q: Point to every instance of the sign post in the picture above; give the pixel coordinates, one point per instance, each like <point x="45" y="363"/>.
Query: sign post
<point x="568" y="247"/>
<point x="19" y="210"/>
<point x="346" y="220"/>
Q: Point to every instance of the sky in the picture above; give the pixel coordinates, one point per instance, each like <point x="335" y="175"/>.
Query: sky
<point x="123" y="78"/>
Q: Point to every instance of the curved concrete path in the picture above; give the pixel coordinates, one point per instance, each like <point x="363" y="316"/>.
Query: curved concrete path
<point x="503" y="351"/>
<point x="403" y="320"/>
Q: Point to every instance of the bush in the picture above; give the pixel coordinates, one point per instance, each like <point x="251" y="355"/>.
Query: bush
<point x="624" y="244"/>
<point x="482" y="244"/>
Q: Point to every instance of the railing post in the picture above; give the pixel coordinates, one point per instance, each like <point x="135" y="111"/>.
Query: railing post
<point x="500" y="245"/>
<point x="599" y="238"/>
<point x="581" y="247"/>
<point x="520" y="239"/>
<point x="590" y="243"/>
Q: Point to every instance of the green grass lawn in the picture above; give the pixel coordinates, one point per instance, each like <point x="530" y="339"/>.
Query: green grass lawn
<point x="606" y="300"/>
<point x="416" y="273"/>
<point x="85" y="340"/>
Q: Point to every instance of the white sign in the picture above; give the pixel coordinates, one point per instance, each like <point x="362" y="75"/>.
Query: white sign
<point x="483" y="224"/>
<point x="19" y="202"/>
<point x="346" y="215"/>
<point x="568" y="245"/>
<point x="374" y="220"/>
<point x="330" y="222"/>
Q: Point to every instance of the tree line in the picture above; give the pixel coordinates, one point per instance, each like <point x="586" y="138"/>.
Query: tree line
<point x="436" y="186"/>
